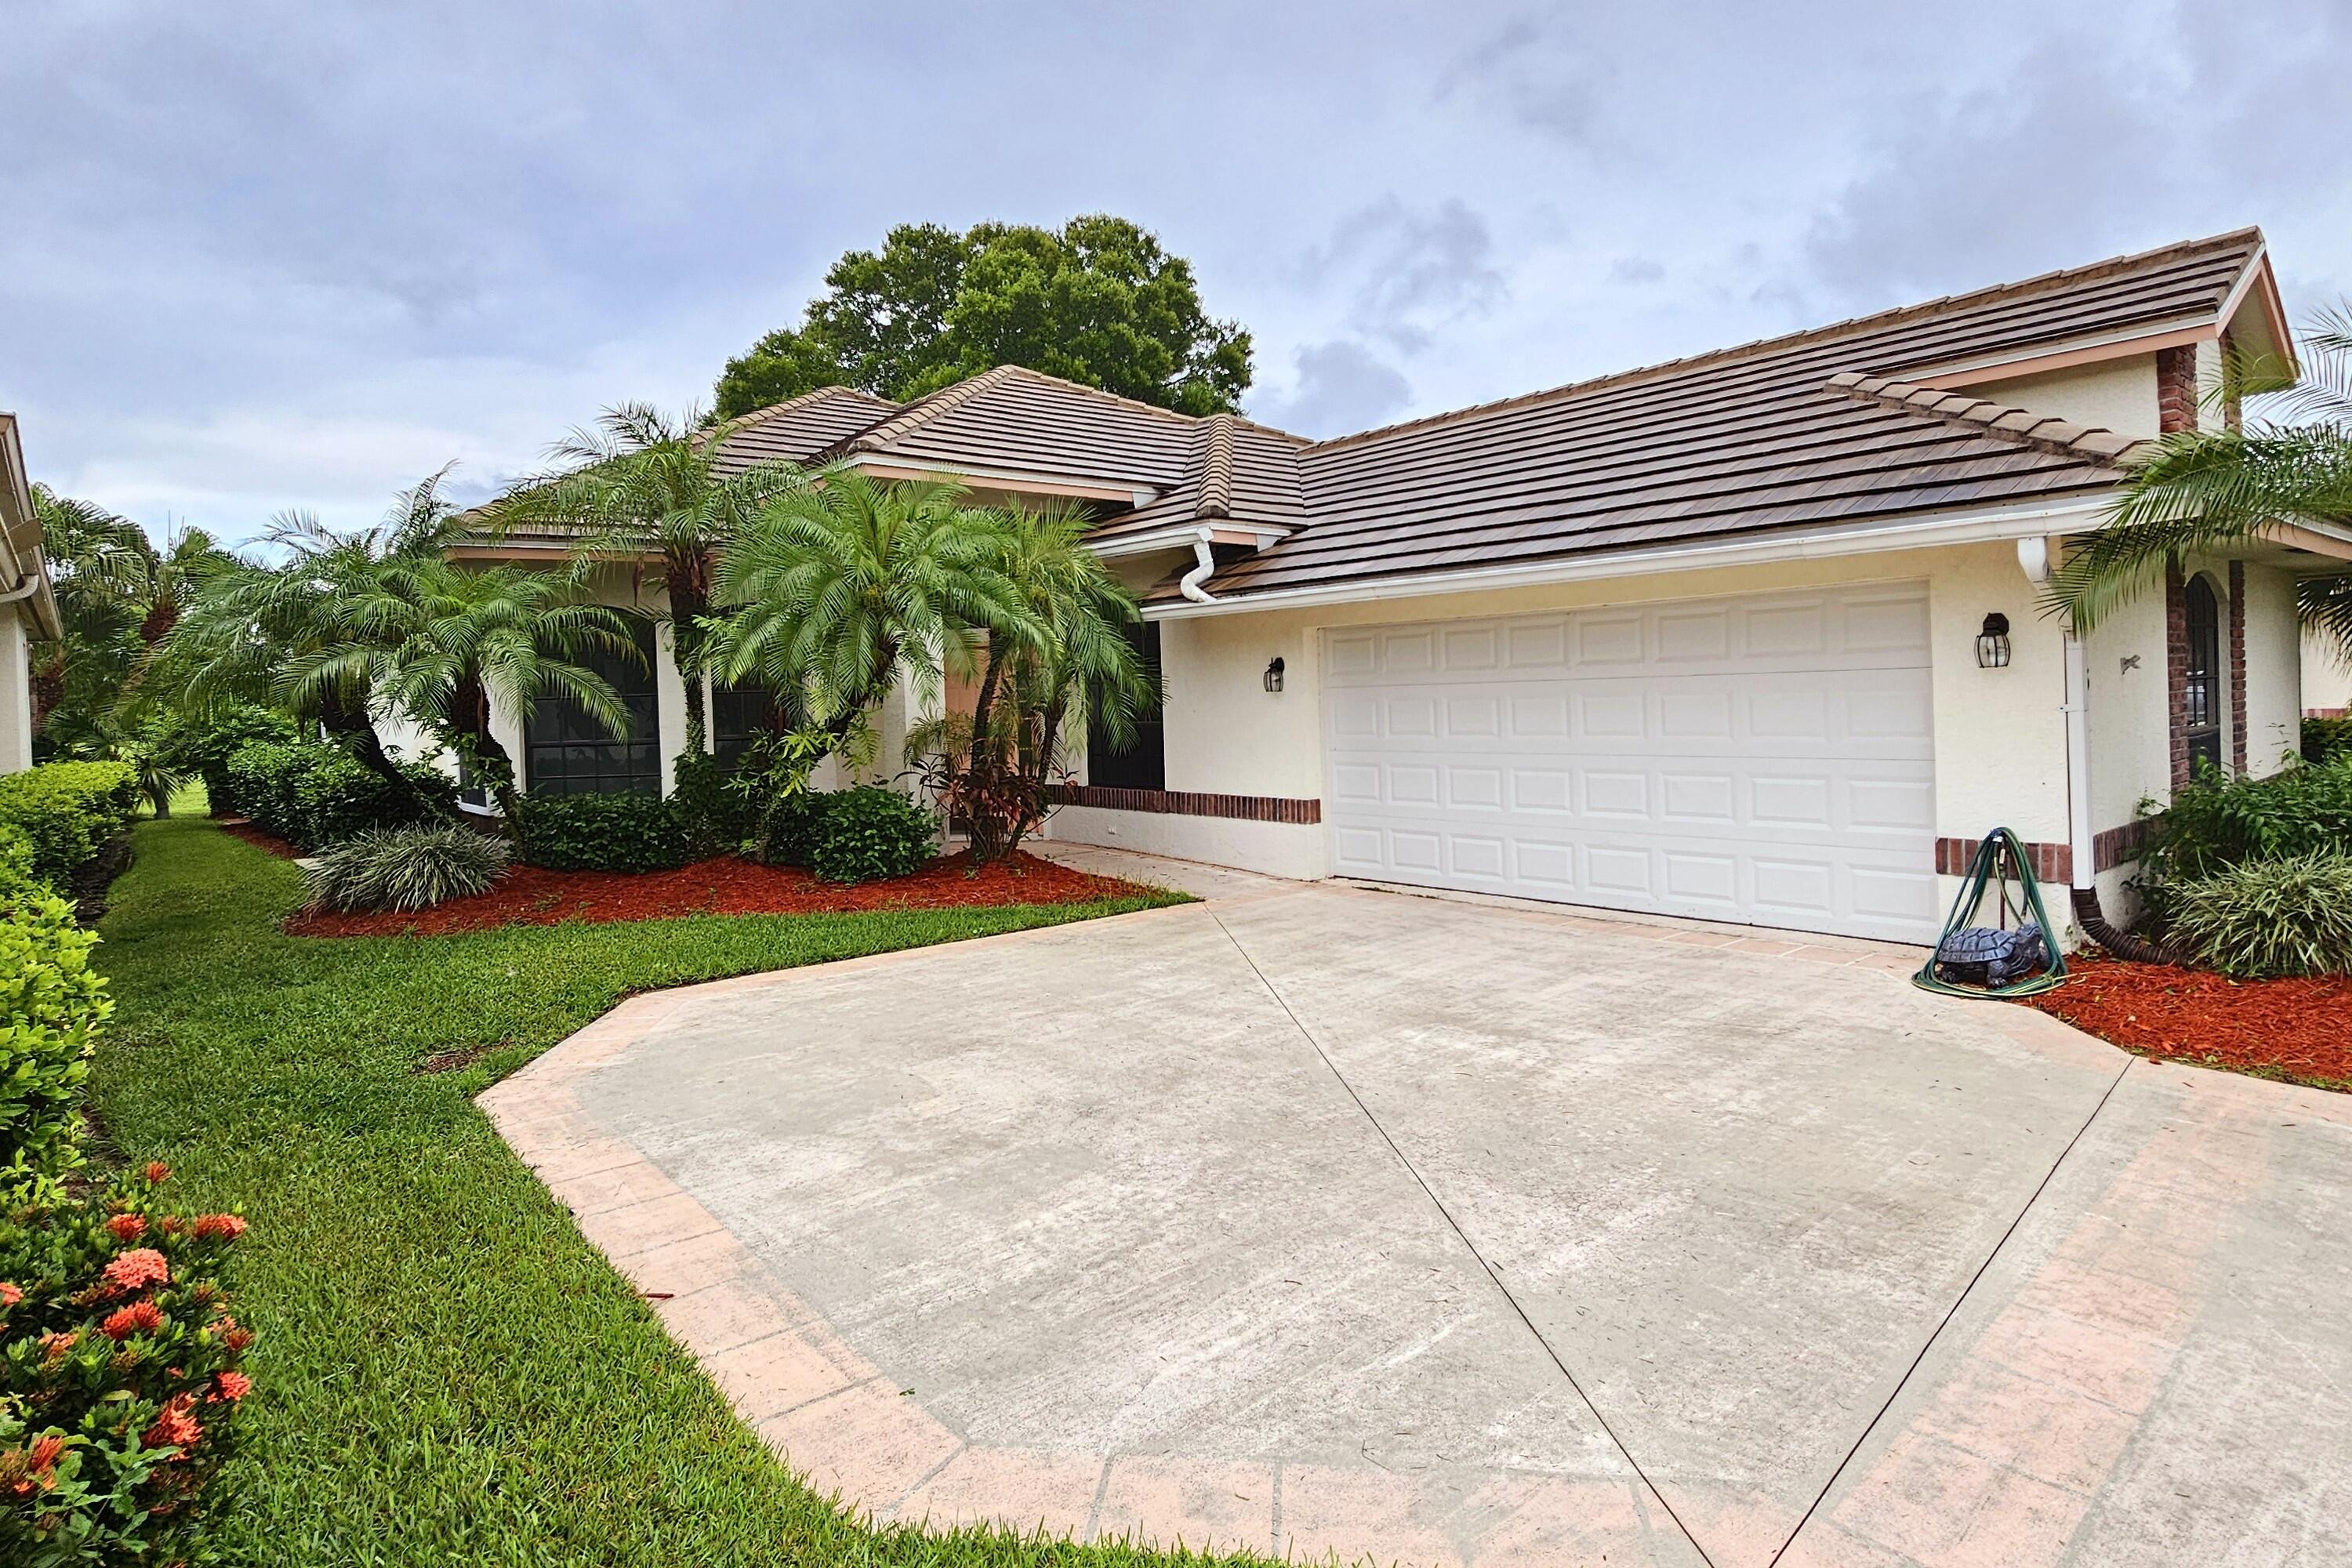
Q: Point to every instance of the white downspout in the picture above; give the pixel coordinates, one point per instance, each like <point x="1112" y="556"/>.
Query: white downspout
<point x="1190" y="584"/>
<point x="2079" y="837"/>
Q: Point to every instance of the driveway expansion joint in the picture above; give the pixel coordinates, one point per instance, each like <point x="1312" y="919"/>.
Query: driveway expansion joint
<point x="1455" y="1225"/>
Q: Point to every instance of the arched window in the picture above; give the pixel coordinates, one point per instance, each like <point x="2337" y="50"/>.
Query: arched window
<point x="2204" y="684"/>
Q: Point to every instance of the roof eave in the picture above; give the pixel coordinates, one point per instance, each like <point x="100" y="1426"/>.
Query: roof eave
<point x="1867" y="536"/>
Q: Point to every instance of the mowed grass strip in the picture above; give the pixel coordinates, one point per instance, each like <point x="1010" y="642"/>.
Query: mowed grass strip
<point x="446" y="1374"/>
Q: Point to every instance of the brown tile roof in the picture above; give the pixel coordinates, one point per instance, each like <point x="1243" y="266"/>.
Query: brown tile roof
<point x="1019" y="421"/>
<point x="1736" y="442"/>
<point x="1238" y="471"/>
<point x="799" y="429"/>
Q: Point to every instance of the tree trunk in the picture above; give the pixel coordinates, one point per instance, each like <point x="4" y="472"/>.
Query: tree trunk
<point x="352" y="725"/>
<point x="689" y="602"/>
<point x="470" y="705"/>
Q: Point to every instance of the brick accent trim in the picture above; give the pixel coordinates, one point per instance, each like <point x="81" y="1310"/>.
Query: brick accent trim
<point x="2120" y="845"/>
<point x="1187" y="803"/>
<point x="2176" y="389"/>
<point x="2238" y="668"/>
<point x="2052" y="863"/>
<point x="2176" y="671"/>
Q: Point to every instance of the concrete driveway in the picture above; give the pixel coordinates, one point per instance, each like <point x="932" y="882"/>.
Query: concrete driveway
<point x="1320" y="1220"/>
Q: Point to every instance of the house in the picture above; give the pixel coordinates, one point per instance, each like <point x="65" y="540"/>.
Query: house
<point x="28" y="608"/>
<point x="1754" y="636"/>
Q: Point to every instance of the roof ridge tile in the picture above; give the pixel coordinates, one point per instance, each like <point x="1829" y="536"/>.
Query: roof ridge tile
<point x="1217" y="469"/>
<point x="2044" y="432"/>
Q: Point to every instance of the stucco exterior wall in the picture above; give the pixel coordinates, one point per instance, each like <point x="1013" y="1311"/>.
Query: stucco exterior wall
<point x="15" y="692"/>
<point x="2326" y="677"/>
<point x="2273" y="670"/>
<point x="2119" y="395"/>
<point x="2000" y="733"/>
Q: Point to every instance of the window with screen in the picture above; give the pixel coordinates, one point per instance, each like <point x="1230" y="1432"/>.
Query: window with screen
<point x="2204" y="682"/>
<point x="565" y="751"/>
<point x="1143" y="764"/>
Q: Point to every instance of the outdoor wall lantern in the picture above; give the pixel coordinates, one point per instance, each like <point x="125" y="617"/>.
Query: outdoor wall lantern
<point x="1274" y="673"/>
<point x="1993" y="643"/>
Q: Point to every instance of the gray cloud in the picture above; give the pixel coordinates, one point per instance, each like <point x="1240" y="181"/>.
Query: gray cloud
<point x="1411" y="272"/>
<point x="1341" y="387"/>
<point x="292" y="255"/>
<point x="2082" y="150"/>
<point x="1534" y="72"/>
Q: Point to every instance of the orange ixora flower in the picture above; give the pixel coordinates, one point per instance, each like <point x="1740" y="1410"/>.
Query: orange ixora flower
<point x="33" y="1468"/>
<point x="127" y="1226"/>
<point x="230" y="1386"/>
<point x="234" y="1337"/>
<point x="227" y="1226"/>
<point x="136" y="1270"/>
<point x="175" y="1426"/>
<point x="158" y="1171"/>
<point x="10" y="1294"/>
<point x="56" y="1342"/>
<point x="138" y="1318"/>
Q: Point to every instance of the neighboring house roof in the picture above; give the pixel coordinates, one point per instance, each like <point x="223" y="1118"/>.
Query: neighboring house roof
<point x="20" y="531"/>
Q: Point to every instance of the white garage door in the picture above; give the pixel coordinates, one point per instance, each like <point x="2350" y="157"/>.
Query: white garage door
<point x="1765" y="760"/>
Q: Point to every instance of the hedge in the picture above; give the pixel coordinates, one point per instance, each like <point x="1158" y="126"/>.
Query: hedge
<point x="601" y="833"/>
<point x="313" y="794"/>
<point x="68" y="811"/>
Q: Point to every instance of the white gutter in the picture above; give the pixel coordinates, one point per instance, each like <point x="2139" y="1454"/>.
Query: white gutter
<point x="1852" y="539"/>
<point x="1189" y="586"/>
<point x="1179" y="535"/>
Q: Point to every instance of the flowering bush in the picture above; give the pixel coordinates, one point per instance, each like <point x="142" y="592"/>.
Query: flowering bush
<point x="119" y="1374"/>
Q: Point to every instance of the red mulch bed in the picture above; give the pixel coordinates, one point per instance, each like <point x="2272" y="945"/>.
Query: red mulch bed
<point x="240" y="827"/>
<point x="2300" y="1029"/>
<point x="527" y="895"/>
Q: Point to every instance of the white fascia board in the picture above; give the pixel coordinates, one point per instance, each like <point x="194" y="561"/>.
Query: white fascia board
<point x="1981" y="526"/>
<point x="1180" y="535"/>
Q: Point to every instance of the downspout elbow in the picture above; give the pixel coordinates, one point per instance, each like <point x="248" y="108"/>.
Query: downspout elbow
<point x="1190" y="585"/>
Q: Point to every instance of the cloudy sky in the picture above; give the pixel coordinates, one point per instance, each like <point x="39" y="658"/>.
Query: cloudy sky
<point x="293" y="255"/>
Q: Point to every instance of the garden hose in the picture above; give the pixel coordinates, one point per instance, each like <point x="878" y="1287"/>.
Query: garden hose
<point x="2000" y="846"/>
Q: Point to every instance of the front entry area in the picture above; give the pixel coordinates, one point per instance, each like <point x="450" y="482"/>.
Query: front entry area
<point x="1766" y="759"/>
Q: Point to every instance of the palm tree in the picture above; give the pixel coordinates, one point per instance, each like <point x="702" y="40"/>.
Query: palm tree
<point x="643" y="485"/>
<point x="438" y="640"/>
<point x="103" y="569"/>
<point x="278" y="633"/>
<point x="2210" y="491"/>
<point x="840" y="585"/>
<point x="1069" y="666"/>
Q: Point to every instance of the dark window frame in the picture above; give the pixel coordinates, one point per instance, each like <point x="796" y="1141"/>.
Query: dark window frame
<point x="1144" y="765"/>
<point x="2204" y="699"/>
<point x="567" y="753"/>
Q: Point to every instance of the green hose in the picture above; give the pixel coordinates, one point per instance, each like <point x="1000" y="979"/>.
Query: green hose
<point x="1999" y="844"/>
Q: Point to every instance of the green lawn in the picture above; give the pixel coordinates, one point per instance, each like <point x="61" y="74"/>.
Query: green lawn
<point x="446" y="1374"/>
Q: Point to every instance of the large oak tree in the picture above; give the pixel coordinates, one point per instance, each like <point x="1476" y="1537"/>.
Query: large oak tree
<point x="1096" y="301"/>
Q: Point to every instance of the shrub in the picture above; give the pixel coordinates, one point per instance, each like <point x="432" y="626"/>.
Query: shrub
<point x="2326" y="739"/>
<point x="790" y="824"/>
<point x="119" y="1374"/>
<point x="2268" y="917"/>
<point x="315" y="793"/>
<point x="70" y="812"/>
<point x="865" y="835"/>
<point x="2215" y="824"/>
<point x="51" y="1006"/>
<point x="600" y="832"/>
<point x="202" y="745"/>
<point x="405" y="867"/>
<point x="714" y="818"/>
<point x="119" y="1363"/>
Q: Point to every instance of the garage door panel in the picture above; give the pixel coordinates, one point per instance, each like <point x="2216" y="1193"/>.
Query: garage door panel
<point x="1765" y="760"/>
